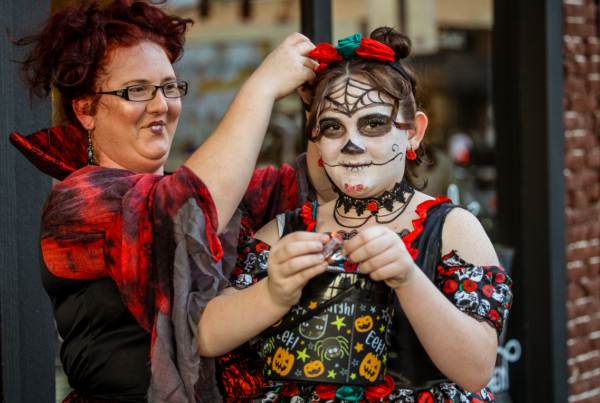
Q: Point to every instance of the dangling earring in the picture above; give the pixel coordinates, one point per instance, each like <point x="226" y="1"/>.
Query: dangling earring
<point x="320" y="163"/>
<point x="411" y="155"/>
<point x="90" y="150"/>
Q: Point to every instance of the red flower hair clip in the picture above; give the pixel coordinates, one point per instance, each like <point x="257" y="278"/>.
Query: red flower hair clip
<point x="372" y="49"/>
<point x="367" y="48"/>
<point x="324" y="53"/>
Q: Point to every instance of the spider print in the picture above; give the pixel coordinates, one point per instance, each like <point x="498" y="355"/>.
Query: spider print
<point x="332" y="347"/>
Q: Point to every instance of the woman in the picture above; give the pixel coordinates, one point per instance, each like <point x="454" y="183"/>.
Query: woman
<point x="130" y="256"/>
<point x="450" y="297"/>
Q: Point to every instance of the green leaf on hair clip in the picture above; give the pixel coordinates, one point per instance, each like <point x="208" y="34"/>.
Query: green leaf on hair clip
<point x="347" y="47"/>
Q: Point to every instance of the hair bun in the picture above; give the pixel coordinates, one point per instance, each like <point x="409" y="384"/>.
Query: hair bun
<point x="399" y="42"/>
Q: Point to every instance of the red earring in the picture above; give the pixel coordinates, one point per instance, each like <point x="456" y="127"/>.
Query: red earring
<point x="411" y="155"/>
<point x="320" y="163"/>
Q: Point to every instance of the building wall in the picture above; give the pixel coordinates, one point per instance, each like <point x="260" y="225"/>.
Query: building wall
<point x="582" y="162"/>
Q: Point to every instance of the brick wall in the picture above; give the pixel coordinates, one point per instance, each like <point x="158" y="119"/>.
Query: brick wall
<point x="582" y="163"/>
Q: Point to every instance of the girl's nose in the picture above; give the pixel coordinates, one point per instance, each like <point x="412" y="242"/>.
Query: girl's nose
<point x="352" y="149"/>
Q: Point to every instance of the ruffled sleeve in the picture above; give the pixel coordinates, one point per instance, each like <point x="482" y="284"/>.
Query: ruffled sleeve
<point x="156" y="237"/>
<point x="103" y="222"/>
<point x="57" y="152"/>
<point x="483" y="292"/>
<point x="271" y="192"/>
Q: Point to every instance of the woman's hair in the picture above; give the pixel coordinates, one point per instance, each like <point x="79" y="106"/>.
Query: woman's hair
<point x="71" y="51"/>
<point x="384" y="78"/>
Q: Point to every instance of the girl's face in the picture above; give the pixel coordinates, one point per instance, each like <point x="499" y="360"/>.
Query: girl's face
<point x="362" y="150"/>
<point x="135" y="135"/>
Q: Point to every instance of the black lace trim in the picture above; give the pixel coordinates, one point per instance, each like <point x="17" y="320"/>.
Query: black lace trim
<point x="386" y="200"/>
<point x="483" y="319"/>
<point x="403" y="233"/>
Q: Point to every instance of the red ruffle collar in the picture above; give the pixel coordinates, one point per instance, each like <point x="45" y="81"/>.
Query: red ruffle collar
<point x="57" y="152"/>
<point x="421" y="211"/>
<point x="309" y="215"/>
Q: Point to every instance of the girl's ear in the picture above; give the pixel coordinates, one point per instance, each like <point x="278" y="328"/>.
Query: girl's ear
<point x="81" y="108"/>
<point x="416" y="136"/>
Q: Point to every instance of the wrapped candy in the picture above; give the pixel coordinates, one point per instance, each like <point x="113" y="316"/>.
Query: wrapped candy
<point x="332" y="249"/>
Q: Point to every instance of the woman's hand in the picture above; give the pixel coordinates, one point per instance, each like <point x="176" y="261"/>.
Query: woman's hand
<point x="381" y="254"/>
<point x="294" y="260"/>
<point x="286" y="68"/>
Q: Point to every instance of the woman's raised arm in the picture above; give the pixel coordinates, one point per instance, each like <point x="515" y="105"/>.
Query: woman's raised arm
<point x="226" y="160"/>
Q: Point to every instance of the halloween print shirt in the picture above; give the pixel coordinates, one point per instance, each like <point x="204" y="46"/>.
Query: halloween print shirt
<point x="483" y="292"/>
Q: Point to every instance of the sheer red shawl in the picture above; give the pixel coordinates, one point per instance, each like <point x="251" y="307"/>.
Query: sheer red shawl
<point x="153" y="235"/>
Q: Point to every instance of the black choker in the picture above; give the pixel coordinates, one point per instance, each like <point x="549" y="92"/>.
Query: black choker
<point x="374" y="204"/>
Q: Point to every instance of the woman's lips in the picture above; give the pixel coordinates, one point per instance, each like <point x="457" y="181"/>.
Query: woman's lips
<point x="156" y="127"/>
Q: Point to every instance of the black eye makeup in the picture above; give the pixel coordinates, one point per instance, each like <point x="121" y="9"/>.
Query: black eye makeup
<point x="374" y="125"/>
<point x="331" y="128"/>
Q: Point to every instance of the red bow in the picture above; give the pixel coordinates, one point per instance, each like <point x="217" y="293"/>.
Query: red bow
<point x="380" y="391"/>
<point x="326" y="391"/>
<point x="289" y="389"/>
<point x="307" y="213"/>
<point x="325" y="53"/>
<point x="372" y="49"/>
<point x="320" y="68"/>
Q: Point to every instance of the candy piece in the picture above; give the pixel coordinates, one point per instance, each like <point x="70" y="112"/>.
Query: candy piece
<point x="334" y="245"/>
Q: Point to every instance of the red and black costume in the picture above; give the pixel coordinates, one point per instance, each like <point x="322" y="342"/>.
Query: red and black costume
<point x="481" y="292"/>
<point x="129" y="261"/>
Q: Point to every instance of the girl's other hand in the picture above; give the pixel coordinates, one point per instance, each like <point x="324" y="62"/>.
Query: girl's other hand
<point x="381" y="254"/>
<point x="294" y="260"/>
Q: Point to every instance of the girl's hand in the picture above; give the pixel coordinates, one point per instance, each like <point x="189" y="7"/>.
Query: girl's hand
<point x="381" y="254"/>
<point x="286" y="68"/>
<point x="294" y="260"/>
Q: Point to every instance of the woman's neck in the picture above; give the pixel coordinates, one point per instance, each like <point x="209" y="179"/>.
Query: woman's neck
<point x="104" y="161"/>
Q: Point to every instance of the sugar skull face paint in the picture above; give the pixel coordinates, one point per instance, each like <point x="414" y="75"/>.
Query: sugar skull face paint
<point x="362" y="149"/>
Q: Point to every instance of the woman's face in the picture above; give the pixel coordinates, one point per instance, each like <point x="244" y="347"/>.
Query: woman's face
<point x="135" y="135"/>
<point x="363" y="152"/>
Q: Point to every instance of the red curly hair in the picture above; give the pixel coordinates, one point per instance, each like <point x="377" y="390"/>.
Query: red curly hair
<point x="71" y="51"/>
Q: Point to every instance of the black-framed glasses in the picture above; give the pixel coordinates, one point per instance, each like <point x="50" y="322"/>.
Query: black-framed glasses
<point x="146" y="92"/>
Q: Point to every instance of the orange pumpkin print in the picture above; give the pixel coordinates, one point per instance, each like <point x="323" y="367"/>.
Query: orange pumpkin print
<point x="314" y="369"/>
<point x="370" y="367"/>
<point x="363" y="324"/>
<point x="282" y="361"/>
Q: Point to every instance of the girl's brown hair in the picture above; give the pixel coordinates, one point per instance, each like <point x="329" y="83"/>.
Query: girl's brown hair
<point x="384" y="78"/>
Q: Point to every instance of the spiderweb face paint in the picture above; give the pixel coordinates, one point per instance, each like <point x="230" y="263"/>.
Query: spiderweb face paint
<point x="351" y="95"/>
<point x="361" y="148"/>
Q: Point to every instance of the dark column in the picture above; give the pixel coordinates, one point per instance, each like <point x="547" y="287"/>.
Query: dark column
<point x="528" y="107"/>
<point x="402" y="11"/>
<point x="26" y="318"/>
<point x="316" y="20"/>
